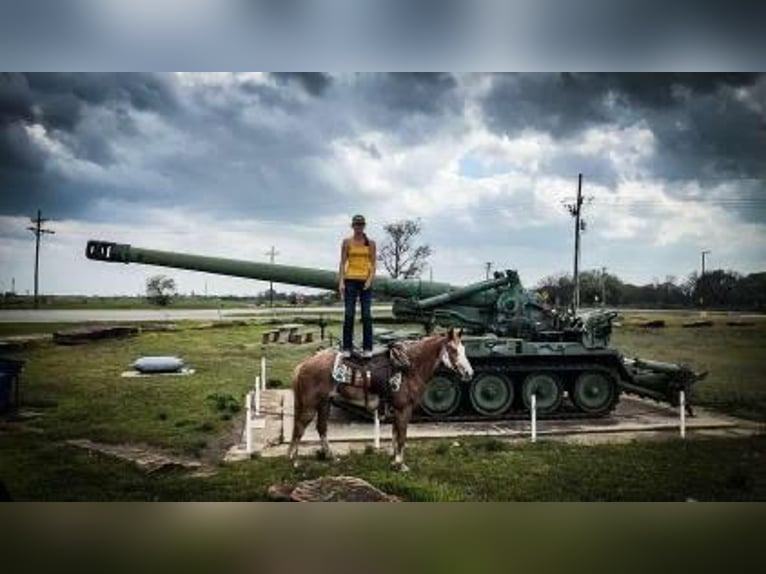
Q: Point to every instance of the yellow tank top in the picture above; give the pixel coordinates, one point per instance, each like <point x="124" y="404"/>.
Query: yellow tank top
<point x="358" y="262"/>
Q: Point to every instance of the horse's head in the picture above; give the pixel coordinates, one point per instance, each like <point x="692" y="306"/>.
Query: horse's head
<point x="453" y="355"/>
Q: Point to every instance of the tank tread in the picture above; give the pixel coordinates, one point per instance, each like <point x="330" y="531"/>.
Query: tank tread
<point x="567" y="412"/>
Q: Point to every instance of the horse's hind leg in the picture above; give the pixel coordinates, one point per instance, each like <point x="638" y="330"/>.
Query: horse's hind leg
<point x="323" y="413"/>
<point x="301" y="419"/>
<point x="401" y="420"/>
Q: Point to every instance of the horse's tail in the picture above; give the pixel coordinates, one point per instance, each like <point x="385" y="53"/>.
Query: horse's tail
<point x="296" y="385"/>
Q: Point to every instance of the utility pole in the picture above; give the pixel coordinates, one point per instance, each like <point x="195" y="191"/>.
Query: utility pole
<point x="574" y="210"/>
<point x="702" y="278"/>
<point x="38" y="231"/>
<point x="487" y="268"/>
<point x="603" y="286"/>
<point x="271" y="253"/>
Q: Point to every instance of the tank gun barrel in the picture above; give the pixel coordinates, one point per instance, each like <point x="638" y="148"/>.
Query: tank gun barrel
<point x="465" y="292"/>
<point x="288" y="274"/>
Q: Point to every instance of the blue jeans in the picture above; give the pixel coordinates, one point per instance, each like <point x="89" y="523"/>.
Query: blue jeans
<point x="355" y="289"/>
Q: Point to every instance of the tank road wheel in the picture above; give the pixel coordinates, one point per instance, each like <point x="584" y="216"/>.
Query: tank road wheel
<point x="593" y="392"/>
<point x="491" y="395"/>
<point x="442" y="397"/>
<point x="546" y="387"/>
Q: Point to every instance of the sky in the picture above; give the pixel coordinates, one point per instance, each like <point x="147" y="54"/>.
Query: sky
<point x="231" y="164"/>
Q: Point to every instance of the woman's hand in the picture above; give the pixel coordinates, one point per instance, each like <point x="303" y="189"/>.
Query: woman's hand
<point x="341" y="288"/>
<point x="368" y="283"/>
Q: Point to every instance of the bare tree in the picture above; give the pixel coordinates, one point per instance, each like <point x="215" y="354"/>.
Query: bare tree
<point x="160" y="289"/>
<point x="399" y="254"/>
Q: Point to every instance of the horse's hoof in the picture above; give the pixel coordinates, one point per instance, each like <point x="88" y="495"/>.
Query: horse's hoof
<point x="326" y="455"/>
<point x="296" y="463"/>
<point x="404" y="468"/>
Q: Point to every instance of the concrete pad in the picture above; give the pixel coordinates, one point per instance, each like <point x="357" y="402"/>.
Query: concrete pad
<point x="633" y="419"/>
<point x="138" y="375"/>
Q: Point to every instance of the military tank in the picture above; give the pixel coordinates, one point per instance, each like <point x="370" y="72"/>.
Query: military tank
<point x="517" y="345"/>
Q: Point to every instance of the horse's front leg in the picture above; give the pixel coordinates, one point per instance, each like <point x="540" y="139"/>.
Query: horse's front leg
<point x="401" y="420"/>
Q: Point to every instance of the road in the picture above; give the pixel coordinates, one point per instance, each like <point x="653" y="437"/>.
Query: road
<point x="139" y="315"/>
<point x="135" y="315"/>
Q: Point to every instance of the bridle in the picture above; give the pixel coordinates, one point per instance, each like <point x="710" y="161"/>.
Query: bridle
<point x="451" y="353"/>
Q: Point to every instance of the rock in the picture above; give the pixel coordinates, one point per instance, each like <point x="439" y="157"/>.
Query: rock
<point x="279" y="492"/>
<point x="331" y="489"/>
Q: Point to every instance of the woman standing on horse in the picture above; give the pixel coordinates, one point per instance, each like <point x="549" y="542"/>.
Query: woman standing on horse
<point x="358" y="256"/>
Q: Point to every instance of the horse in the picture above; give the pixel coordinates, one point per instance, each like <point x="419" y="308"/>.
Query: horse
<point x="313" y="386"/>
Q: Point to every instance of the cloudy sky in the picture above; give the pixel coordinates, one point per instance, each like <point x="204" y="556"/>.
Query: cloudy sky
<point x="231" y="164"/>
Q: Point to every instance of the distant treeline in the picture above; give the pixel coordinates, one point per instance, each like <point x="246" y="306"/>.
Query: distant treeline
<point x="717" y="288"/>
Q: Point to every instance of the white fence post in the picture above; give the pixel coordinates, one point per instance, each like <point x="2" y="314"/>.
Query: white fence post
<point x="534" y="417"/>
<point x="248" y="416"/>
<point x="377" y="430"/>
<point x="263" y="373"/>
<point x="682" y="407"/>
<point x="257" y="396"/>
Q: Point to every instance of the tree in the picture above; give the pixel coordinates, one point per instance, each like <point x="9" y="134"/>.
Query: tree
<point x="160" y="289"/>
<point x="399" y="254"/>
<point x="557" y="288"/>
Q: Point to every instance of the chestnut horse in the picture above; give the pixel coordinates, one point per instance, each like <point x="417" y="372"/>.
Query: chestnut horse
<point x="313" y="386"/>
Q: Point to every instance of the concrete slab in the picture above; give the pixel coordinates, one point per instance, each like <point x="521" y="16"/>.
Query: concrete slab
<point x="633" y="419"/>
<point x="133" y="374"/>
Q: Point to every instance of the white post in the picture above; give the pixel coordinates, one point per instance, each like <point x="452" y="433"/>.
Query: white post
<point x="534" y="417"/>
<point x="682" y="407"/>
<point x="248" y="430"/>
<point x="263" y="373"/>
<point x="377" y="430"/>
<point x="257" y="396"/>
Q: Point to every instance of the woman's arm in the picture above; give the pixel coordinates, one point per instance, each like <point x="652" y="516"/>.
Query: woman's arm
<point x="342" y="268"/>
<point x="373" y="265"/>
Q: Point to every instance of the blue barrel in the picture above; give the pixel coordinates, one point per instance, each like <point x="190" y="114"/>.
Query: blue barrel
<point x="9" y="383"/>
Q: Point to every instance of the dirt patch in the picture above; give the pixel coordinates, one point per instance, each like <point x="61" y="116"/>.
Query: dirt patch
<point x="148" y="458"/>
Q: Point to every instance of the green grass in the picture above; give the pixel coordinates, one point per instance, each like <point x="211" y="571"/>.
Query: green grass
<point x="711" y="469"/>
<point x="80" y="394"/>
<point x="92" y="400"/>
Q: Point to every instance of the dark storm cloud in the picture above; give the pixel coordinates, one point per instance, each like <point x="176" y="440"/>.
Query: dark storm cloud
<point x="414" y="92"/>
<point x="704" y="124"/>
<point x="60" y="104"/>
<point x="411" y="107"/>
<point x="314" y="83"/>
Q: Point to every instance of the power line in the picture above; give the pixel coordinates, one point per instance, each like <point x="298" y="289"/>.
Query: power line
<point x="38" y="230"/>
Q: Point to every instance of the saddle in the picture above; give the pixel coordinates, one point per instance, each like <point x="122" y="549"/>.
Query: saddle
<point x="380" y="374"/>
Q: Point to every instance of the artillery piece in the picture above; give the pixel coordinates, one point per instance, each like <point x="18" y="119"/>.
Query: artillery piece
<point x="517" y="345"/>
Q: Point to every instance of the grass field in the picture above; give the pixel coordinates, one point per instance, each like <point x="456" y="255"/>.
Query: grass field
<point x="79" y="393"/>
